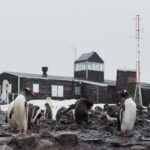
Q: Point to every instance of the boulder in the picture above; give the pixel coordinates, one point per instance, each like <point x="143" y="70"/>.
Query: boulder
<point x="23" y="141"/>
<point x="45" y="144"/>
<point x="67" y="139"/>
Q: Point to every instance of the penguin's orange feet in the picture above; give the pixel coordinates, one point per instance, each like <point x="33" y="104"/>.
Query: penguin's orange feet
<point x="127" y="133"/>
<point x="25" y="132"/>
<point x="20" y="132"/>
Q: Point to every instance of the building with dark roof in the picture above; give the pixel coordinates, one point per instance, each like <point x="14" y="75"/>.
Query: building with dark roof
<point x="88" y="82"/>
<point x="90" y="67"/>
<point x="58" y="87"/>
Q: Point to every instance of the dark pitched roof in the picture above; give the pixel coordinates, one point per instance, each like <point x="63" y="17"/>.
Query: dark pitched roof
<point x="39" y="76"/>
<point x="87" y="56"/>
<point x="84" y="57"/>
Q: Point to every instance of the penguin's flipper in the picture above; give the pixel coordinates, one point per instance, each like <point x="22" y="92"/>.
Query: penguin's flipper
<point x="6" y="118"/>
<point x="25" y="104"/>
<point x="121" y="113"/>
<point x="11" y="113"/>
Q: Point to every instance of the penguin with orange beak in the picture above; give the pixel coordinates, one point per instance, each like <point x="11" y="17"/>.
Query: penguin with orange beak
<point x="127" y="113"/>
<point x="21" y="110"/>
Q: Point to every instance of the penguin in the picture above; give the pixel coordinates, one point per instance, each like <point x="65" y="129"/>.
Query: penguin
<point x="127" y="113"/>
<point x="111" y="112"/>
<point x="34" y="114"/>
<point x="71" y="110"/>
<point x="82" y="107"/>
<point x="21" y="110"/>
<point x="60" y="115"/>
<point x="10" y="117"/>
<point x="48" y="109"/>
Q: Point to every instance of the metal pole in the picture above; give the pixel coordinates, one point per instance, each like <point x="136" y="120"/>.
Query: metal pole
<point x="18" y="85"/>
<point x="138" y="87"/>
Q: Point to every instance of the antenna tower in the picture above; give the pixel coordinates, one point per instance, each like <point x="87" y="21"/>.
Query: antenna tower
<point x="138" y="95"/>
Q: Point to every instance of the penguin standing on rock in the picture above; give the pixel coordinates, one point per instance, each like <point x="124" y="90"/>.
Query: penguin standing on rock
<point x="21" y="110"/>
<point x="127" y="113"/>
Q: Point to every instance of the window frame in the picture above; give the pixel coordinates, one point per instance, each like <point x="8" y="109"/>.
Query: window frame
<point x="36" y="87"/>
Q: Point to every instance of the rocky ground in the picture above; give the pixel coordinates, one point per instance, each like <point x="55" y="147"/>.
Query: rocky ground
<point x="98" y="134"/>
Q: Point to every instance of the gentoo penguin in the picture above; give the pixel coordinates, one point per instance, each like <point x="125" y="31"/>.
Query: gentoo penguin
<point x="111" y="112"/>
<point x="71" y="109"/>
<point x="21" y="110"/>
<point x="82" y="107"/>
<point x="60" y="113"/>
<point x="10" y="117"/>
<point x="34" y="114"/>
<point x="127" y="112"/>
<point x="48" y="109"/>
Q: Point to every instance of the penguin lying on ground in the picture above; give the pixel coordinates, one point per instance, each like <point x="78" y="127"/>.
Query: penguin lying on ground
<point x="60" y="115"/>
<point x="81" y="107"/>
<point x="21" y="110"/>
<point x="127" y="113"/>
<point x="64" y="117"/>
<point x="10" y="117"/>
<point x="111" y="112"/>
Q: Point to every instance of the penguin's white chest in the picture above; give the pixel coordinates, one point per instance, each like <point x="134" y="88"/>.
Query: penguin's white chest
<point x="20" y="112"/>
<point x="128" y="115"/>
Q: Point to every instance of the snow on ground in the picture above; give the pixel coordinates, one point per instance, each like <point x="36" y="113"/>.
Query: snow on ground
<point x="4" y="107"/>
<point x="56" y="103"/>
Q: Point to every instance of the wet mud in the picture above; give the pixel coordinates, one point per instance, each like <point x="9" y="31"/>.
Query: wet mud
<point x="97" y="134"/>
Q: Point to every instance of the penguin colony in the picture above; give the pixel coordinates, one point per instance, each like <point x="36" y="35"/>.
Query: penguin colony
<point x="22" y="116"/>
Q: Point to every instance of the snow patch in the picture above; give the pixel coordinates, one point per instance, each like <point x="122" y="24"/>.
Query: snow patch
<point x="56" y="104"/>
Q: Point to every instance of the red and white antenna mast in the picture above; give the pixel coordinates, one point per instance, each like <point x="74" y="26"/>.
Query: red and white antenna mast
<point x="138" y="95"/>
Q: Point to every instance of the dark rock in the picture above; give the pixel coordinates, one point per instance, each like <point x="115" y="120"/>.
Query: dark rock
<point x="67" y="139"/>
<point x="23" y="141"/>
<point x="45" y="145"/>
<point x="46" y="135"/>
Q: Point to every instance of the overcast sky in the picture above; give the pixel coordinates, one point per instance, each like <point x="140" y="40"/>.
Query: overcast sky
<point x="36" y="33"/>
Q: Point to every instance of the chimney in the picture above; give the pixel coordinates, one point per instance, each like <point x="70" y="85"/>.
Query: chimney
<point x="44" y="69"/>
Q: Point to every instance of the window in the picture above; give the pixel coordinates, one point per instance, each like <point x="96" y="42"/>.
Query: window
<point x="57" y="91"/>
<point x="77" y="90"/>
<point x="90" y="65"/>
<point x="36" y="88"/>
<point x="79" y="66"/>
<point x="95" y="66"/>
<point x="60" y="91"/>
<point x="54" y="90"/>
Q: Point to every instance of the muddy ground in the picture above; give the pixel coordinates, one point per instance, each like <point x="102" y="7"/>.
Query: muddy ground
<point x="98" y="134"/>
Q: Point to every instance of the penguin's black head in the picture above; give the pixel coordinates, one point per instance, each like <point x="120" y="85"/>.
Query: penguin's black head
<point x="28" y="91"/>
<point x="72" y="106"/>
<point x="123" y="93"/>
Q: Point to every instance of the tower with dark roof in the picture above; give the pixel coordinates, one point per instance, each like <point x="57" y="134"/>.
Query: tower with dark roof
<point x="89" y="66"/>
